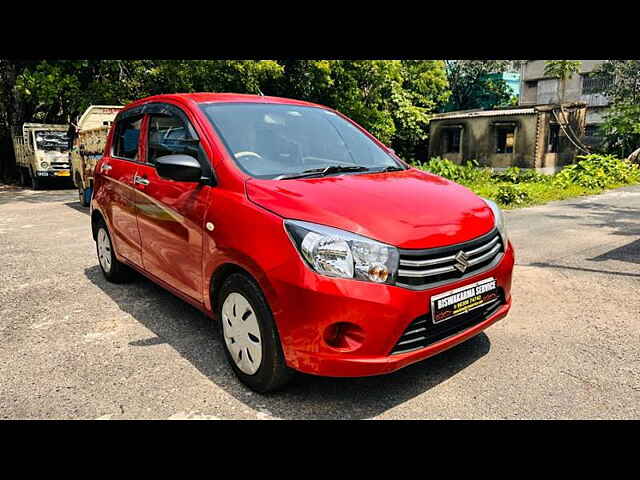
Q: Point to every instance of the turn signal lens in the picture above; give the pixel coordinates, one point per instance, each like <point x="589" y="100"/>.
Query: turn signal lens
<point x="378" y="273"/>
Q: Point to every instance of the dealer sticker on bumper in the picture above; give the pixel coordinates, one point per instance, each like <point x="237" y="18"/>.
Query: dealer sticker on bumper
<point x="464" y="299"/>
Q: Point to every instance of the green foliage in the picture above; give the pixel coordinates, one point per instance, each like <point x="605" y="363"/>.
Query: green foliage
<point x="472" y="88"/>
<point x="621" y="129"/>
<point x="598" y="172"/>
<point x="393" y="99"/>
<point x="518" y="175"/>
<point x="469" y="173"/>
<point x="562" y="69"/>
<point x="620" y="79"/>
<point x="511" y="195"/>
<point x="515" y="187"/>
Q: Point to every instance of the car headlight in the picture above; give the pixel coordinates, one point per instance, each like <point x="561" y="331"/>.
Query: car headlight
<point x="44" y="165"/>
<point x="499" y="219"/>
<point x="338" y="253"/>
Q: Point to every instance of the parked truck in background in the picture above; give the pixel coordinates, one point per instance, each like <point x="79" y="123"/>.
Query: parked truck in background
<point x="42" y="153"/>
<point x="88" y="146"/>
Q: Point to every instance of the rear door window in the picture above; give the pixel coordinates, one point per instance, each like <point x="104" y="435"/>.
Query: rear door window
<point x="127" y="137"/>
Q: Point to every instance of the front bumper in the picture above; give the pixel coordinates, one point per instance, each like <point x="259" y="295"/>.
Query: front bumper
<point x="312" y="303"/>
<point x="61" y="173"/>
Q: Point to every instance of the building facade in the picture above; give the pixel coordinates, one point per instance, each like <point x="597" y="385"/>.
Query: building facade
<point x="543" y="137"/>
<point x="536" y="88"/>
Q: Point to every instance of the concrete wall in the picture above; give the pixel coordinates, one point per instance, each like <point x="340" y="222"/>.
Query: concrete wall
<point x="478" y="141"/>
<point x="548" y="89"/>
<point x="479" y="138"/>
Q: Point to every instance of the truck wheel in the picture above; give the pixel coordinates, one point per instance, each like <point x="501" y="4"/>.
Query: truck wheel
<point x="23" y="178"/>
<point x="82" y="195"/>
<point x="113" y="270"/>
<point x="251" y="341"/>
<point x="36" y="183"/>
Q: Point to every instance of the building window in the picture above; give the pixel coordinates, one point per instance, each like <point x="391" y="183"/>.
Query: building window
<point x="451" y="140"/>
<point x="554" y="138"/>
<point x="531" y="83"/>
<point x="505" y="139"/>
<point x="594" y="84"/>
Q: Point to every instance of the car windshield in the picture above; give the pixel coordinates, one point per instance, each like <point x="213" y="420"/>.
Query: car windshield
<point x="52" y="140"/>
<point x="279" y="141"/>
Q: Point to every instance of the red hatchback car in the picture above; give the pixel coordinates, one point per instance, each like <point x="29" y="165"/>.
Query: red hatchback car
<point x="315" y="247"/>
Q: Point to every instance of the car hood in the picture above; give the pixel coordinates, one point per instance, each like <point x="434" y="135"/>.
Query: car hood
<point x="408" y="209"/>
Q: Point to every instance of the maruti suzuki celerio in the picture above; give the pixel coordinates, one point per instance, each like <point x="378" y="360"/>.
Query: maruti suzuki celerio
<point x="312" y="244"/>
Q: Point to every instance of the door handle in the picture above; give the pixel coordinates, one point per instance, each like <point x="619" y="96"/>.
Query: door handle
<point x="140" y="180"/>
<point x="105" y="166"/>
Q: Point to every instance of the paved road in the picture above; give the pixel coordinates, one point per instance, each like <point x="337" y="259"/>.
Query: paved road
<point x="74" y="346"/>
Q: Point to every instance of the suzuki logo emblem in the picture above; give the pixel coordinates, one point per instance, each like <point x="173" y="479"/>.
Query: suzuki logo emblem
<point x="462" y="261"/>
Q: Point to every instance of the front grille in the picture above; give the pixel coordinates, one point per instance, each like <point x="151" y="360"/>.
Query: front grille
<point x="422" y="332"/>
<point x="421" y="269"/>
<point x="60" y="165"/>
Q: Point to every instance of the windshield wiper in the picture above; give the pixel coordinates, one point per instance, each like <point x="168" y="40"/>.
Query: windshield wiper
<point x="321" y="172"/>
<point x="391" y="168"/>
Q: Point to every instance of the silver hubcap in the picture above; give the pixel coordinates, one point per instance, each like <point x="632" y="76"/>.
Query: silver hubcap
<point x="242" y="333"/>
<point x="104" y="250"/>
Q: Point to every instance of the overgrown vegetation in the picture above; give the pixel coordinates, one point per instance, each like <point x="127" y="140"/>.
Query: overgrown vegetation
<point x="515" y="187"/>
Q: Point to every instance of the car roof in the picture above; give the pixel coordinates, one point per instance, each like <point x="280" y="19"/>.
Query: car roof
<point x="205" y="97"/>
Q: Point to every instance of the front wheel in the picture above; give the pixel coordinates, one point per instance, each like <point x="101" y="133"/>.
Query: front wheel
<point x="251" y="341"/>
<point x="112" y="269"/>
<point x="36" y="183"/>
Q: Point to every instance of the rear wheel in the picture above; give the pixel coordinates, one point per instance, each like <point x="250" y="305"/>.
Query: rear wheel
<point x="251" y="341"/>
<point x="112" y="269"/>
<point x="22" y="177"/>
<point x="82" y="194"/>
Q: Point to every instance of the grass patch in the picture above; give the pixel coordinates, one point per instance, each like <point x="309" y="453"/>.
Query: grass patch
<point x="514" y="187"/>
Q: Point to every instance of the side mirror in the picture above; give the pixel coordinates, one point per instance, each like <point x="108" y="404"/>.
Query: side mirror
<point x="181" y="168"/>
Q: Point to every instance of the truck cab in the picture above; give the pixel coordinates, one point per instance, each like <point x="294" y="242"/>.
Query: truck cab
<point x="42" y="152"/>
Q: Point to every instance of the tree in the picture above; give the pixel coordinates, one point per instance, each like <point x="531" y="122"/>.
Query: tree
<point x="621" y="84"/>
<point x="391" y="98"/>
<point x="471" y="86"/>
<point x="621" y="129"/>
<point x="563" y="70"/>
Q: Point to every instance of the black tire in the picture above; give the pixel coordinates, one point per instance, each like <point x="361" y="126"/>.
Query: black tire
<point x="36" y="183"/>
<point x="273" y="373"/>
<point x="23" y="177"/>
<point x="117" y="272"/>
<point x="81" y="195"/>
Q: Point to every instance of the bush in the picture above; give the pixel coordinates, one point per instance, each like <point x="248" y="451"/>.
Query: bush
<point x="515" y="187"/>
<point x="517" y="175"/>
<point x="511" y="195"/>
<point x="470" y="172"/>
<point x="597" y="172"/>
